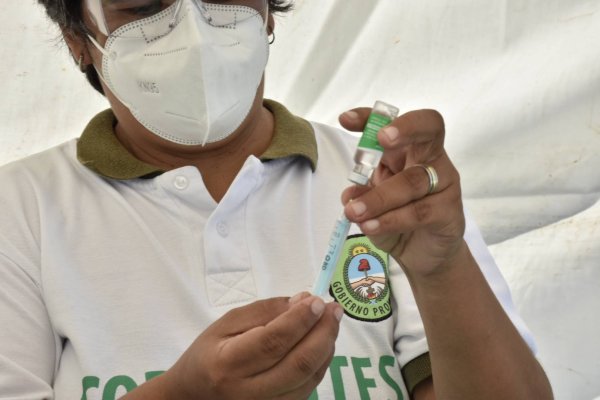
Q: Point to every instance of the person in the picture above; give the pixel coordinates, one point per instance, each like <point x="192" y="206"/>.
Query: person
<point x="153" y="257"/>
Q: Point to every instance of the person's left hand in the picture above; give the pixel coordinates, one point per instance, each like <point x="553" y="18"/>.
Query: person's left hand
<point x="422" y="231"/>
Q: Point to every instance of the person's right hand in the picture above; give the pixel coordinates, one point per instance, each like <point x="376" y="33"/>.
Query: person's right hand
<point x="269" y="349"/>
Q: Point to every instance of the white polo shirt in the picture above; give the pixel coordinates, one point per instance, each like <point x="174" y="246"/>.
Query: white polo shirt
<point x="109" y="268"/>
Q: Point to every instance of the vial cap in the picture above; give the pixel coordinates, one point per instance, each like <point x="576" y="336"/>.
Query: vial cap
<point x="386" y="109"/>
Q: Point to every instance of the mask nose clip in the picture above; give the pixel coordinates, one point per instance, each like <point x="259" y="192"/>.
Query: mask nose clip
<point x="203" y="10"/>
<point x="198" y="3"/>
<point x="175" y="14"/>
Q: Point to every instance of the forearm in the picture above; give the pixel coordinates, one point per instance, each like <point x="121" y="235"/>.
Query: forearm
<point x="476" y="352"/>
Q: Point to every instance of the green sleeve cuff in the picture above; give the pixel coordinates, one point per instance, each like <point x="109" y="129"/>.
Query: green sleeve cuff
<point x="416" y="371"/>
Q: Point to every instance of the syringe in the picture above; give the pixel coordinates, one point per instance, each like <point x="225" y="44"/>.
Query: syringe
<point x="366" y="158"/>
<point x="336" y="242"/>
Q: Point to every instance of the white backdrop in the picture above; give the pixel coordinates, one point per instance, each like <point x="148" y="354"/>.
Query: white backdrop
<point x="518" y="82"/>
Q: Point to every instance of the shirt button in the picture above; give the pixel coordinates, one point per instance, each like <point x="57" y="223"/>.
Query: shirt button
<point x="180" y="182"/>
<point x="222" y="229"/>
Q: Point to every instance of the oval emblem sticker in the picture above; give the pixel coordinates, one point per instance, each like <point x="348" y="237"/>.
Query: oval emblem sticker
<point x="360" y="281"/>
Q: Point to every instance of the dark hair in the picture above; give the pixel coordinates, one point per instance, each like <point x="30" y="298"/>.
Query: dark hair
<point x="67" y="14"/>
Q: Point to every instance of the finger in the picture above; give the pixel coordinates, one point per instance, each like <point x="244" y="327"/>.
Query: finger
<point x="421" y="130"/>
<point x="355" y="120"/>
<point x="308" y="357"/>
<point x="244" y="318"/>
<point x="353" y="192"/>
<point x="262" y="347"/>
<point x="435" y="211"/>
<point x="413" y="138"/>
<point x="401" y="189"/>
<point x="413" y="127"/>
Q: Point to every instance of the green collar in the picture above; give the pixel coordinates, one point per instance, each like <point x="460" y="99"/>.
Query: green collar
<point x="99" y="149"/>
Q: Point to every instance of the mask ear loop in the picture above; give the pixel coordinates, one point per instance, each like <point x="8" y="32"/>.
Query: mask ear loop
<point x="266" y="18"/>
<point x="96" y="11"/>
<point x="98" y="46"/>
<point x="106" y="54"/>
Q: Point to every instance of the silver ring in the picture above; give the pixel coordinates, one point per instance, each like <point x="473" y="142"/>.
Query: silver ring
<point x="433" y="177"/>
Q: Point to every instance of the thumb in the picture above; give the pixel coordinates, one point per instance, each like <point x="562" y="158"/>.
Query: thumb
<point x="355" y="120"/>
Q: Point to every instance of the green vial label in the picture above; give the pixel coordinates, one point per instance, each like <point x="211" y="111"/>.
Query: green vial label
<point x="369" y="137"/>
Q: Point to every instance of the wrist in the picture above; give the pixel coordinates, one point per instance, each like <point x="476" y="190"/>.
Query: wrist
<point x="169" y="388"/>
<point x="173" y="387"/>
<point x="447" y="269"/>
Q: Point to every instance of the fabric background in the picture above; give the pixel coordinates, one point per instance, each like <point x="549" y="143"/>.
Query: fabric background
<point x="518" y="82"/>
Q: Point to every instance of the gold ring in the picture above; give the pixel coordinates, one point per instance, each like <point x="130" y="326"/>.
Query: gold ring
<point x="433" y="177"/>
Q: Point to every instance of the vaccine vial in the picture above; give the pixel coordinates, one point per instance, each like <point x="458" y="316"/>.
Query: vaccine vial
<point x="369" y="151"/>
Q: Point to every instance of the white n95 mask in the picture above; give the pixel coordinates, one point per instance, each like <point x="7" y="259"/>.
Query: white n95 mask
<point x="188" y="73"/>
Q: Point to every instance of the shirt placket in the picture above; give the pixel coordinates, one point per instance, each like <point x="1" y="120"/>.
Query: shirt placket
<point x="229" y="271"/>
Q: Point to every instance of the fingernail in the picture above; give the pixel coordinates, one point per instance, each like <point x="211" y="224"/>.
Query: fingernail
<point x="317" y="306"/>
<point x="351" y="115"/>
<point x="296" y="298"/>
<point x="370" y="225"/>
<point x="338" y="313"/>
<point x="358" y="207"/>
<point x="391" y="132"/>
